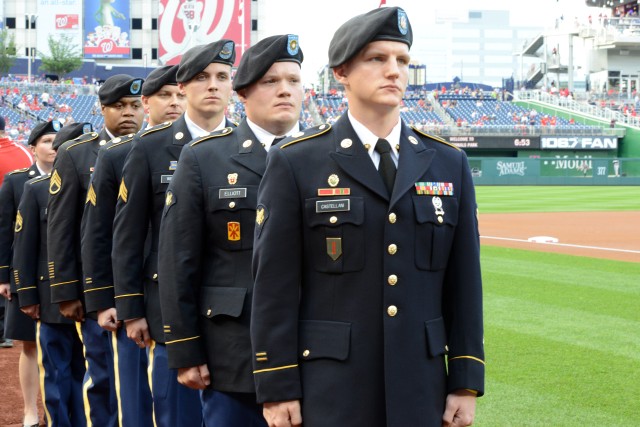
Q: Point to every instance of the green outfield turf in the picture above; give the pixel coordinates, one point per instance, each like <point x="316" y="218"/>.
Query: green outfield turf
<point x="562" y="340"/>
<point x="503" y="199"/>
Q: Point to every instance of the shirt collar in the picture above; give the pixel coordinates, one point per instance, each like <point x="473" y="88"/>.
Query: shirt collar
<point x="196" y="131"/>
<point x="265" y="137"/>
<point x="369" y="139"/>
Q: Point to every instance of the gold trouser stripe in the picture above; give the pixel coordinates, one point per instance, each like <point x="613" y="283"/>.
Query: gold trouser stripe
<point x="116" y="373"/>
<point x="279" y="368"/>
<point x="150" y="356"/>
<point x="41" y="374"/>
<point x="27" y="288"/>
<point x="85" y="386"/>
<point x="467" y="357"/>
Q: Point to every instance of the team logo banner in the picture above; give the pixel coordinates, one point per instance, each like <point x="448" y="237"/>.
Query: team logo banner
<point x="107" y="27"/>
<point x="67" y="22"/>
<point x="183" y="24"/>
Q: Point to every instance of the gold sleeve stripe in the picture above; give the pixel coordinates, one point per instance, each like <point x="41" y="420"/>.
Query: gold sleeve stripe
<point x="129" y="295"/>
<point x="279" y="368"/>
<point x="123" y="192"/>
<point x="262" y="353"/>
<point x="262" y="359"/>
<point x="91" y="196"/>
<point x="64" y="283"/>
<point x="467" y="357"/>
<point x="27" y="288"/>
<point x="182" y="340"/>
<point x="4" y="266"/>
<point x="98" y="289"/>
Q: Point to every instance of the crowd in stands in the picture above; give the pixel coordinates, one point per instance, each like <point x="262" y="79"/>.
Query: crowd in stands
<point x="462" y="107"/>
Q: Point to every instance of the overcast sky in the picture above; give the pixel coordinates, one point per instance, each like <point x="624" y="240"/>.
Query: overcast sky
<point x="316" y="21"/>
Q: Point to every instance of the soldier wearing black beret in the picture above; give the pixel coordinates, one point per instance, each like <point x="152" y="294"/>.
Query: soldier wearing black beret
<point x="19" y="326"/>
<point x="57" y="336"/>
<point x="69" y="190"/>
<point x="163" y="102"/>
<point x="366" y="258"/>
<point x="204" y="75"/>
<point x="206" y="237"/>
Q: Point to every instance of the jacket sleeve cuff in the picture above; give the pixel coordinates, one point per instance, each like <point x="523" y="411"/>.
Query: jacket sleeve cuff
<point x="185" y="352"/>
<point x="278" y="384"/>
<point x="466" y="372"/>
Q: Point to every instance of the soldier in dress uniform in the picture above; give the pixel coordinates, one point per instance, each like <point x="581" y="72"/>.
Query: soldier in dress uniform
<point x="60" y="360"/>
<point x="206" y="236"/>
<point x="163" y="102"/>
<point x="69" y="190"/>
<point x="367" y="304"/>
<point x="204" y="74"/>
<point x="18" y="325"/>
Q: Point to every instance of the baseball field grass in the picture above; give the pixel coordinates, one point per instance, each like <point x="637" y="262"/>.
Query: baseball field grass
<point x="562" y="332"/>
<point x="501" y="199"/>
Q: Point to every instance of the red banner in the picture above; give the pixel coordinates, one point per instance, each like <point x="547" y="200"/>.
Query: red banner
<point x="67" y="22"/>
<point x="183" y="24"/>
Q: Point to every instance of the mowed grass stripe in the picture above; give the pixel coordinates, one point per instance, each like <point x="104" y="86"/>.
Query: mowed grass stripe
<point x="504" y="199"/>
<point x="562" y="345"/>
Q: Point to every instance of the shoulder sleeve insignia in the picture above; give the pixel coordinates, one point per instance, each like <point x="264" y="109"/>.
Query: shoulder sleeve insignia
<point x="18" y="227"/>
<point x="308" y="134"/>
<point x="91" y="195"/>
<point x="123" y="192"/>
<point x="215" y="134"/>
<point x="56" y="183"/>
<point x="435" y="138"/>
<point x="157" y="128"/>
<point x="18" y="171"/>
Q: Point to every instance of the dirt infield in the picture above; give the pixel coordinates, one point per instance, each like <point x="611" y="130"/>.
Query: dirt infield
<point x="611" y="235"/>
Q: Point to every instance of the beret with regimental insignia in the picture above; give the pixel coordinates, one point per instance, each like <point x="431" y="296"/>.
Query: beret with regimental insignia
<point x="71" y="131"/>
<point x="257" y="60"/>
<point x="159" y="77"/>
<point x="385" y="23"/>
<point x="119" y="86"/>
<point x="196" y="59"/>
<point x="43" y="128"/>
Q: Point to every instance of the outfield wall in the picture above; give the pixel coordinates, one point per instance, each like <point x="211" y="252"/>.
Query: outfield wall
<point x="558" y="170"/>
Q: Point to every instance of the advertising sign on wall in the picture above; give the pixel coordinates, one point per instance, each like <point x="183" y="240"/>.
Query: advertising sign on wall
<point x="56" y="18"/>
<point x="183" y="24"/>
<point x="107" y="27"/>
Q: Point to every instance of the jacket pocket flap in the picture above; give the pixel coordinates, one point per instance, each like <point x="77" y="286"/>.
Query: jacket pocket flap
<point x="324" y="339"/>
<point x="215" y="301"/>
<point x="436" y="337"/>
<point x="444" y="211"/>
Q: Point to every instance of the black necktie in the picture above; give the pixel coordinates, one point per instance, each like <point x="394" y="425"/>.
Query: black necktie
<point x="387" y="168"/>
<point x="277" y="139"/>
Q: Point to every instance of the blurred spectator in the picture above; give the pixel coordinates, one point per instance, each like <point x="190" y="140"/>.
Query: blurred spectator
<point x="12" y="156"/>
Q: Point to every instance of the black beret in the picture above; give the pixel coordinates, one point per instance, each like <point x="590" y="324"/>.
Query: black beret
<point x="196" y="59"/>
<point x="159" y="77"/>
<point x="71" y="131"/>
<point x="43" y="128"/>
<point x="257" y="60"/>
<point x="385" y="23"/>
<point x="119" y="86"/>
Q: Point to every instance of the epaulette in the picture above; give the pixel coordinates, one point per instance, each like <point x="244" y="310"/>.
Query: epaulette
<point x="214" y="134"/>
<point x="39" y="179"/>
<point x="120" y="140"/>
<point x="156" y="128"/>
<point x="86" y="137"/>
<point x="436" y="138"/>
<point x="19" y="171"/>
<point x="308" y="134"/>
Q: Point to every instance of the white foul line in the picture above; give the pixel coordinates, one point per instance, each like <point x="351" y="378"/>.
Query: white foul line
<point x="563" y="244"/>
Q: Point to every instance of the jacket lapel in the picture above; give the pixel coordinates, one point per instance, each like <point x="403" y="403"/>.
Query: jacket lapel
<point x="180" y="136"/>
<point x="354" y="160"/>
<point x="253" y="156"/>
<point x="413" y="162"/>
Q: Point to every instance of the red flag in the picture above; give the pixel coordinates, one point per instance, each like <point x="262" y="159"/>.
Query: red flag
<point x="382" y="3"/>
